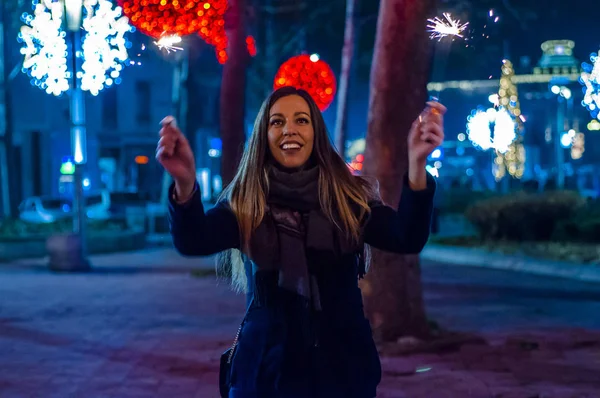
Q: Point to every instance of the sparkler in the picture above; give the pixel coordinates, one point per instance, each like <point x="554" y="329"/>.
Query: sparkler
<point x="440" y="28"/>
<point x="168" y="43"/>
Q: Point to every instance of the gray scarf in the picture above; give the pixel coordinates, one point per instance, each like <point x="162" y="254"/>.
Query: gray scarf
<point x="294" y="227"/>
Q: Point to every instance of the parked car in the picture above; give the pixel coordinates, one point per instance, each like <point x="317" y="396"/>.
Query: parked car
<point x="46" y="209"/>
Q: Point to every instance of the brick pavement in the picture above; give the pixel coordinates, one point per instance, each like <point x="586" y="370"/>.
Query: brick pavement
<point x="158" y="332"/>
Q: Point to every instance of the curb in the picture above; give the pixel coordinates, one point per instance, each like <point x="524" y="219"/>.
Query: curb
<point x="481" y="258"/>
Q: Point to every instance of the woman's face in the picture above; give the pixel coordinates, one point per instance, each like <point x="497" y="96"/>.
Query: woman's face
<point x="291" y="134"/>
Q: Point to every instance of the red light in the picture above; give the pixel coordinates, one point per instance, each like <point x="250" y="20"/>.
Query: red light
<point x="360" y="158"/>
<point x="183" y="17"/>
<point x="316" y="78"/>
<point x="251" y="44"/>
<point x="141" y="159"/>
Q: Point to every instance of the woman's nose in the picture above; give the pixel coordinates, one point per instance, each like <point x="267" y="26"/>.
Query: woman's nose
<point x="288" y="130"/>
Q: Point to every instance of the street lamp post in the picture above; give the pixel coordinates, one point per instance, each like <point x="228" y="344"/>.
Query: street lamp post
<point x="564" y="94"/>
<point x="73" y="14"/>
<point x="76" y="245"/>
<point x="92" y="33"/>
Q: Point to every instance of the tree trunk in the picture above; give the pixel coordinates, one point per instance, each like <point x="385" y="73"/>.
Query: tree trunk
<point x="401" y="62"/>
<point x="233" y="92"/>
<point x="347" y="56"/>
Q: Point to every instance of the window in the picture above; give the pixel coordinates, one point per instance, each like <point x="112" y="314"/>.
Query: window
<point x="142" y="91"/>
<point x="110" y="108"/>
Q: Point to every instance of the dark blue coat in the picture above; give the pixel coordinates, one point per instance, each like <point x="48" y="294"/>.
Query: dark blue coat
<point x="285" y="350"/>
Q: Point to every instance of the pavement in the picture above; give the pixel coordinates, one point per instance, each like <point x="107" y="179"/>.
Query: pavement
<point x="140" y="325"/>
<point x="475" y="257"/>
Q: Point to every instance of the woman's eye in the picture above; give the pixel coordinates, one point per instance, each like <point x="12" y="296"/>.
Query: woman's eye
<point x="303" y="120"/>
<point x="276" y="122"/>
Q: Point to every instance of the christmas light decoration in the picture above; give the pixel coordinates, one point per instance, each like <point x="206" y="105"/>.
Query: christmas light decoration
<point x="590" y="79"/>
<point x="160" y="18"/>
<point x="251" y="44"/>
<point x="45" y="51"/>
<point x="577" y="146"/>
<point x="514" y="156"/>
<point x="440" y="28"/>
<point x="491" y="129"/>
<point x="316" y="77"/>
<point x="157" y="18"/>
<point x="104" y="45"/>
<point x="103" y="49"/>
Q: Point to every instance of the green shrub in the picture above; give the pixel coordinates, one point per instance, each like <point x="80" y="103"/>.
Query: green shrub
<point x="523" y="216"/>
<point x="583" y="227"/>
<point x="457" y="201"/>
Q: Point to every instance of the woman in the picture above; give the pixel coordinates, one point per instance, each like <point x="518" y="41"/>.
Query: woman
<point x="302" y="219"/>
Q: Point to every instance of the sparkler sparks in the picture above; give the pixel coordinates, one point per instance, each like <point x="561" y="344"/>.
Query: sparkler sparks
<point x="168" y="43"/>
<point x="440" y="28"/>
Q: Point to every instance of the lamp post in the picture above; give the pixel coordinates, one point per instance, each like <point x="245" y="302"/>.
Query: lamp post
<point x="563" y="94"/>
<point x="92" y="33"/>
<point x="69" y="252"/>
<point x="73" y="17"/>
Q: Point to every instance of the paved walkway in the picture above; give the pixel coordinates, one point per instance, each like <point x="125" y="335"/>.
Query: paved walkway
<point x="141" y="326"/>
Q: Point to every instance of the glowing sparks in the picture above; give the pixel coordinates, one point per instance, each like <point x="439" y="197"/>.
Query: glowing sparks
<point x="440" y="28"/>
<point x="168" y="43"/>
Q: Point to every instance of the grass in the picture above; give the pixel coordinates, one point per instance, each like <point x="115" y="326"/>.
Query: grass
<point x="581" y="253"/>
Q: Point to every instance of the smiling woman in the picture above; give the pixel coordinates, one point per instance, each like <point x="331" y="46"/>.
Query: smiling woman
<point x="291" y="134"/>
<point x="293" y="230"/>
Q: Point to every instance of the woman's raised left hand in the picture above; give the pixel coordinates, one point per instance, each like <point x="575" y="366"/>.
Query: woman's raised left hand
<point x="426" y="133"/>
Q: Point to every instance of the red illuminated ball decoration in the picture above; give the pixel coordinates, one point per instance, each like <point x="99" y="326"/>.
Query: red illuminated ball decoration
<point x="157" y="18"/>
<point x="314" y="76"/>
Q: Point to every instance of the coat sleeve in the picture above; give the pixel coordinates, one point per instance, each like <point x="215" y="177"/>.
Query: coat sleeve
<point x="405" y="230"/>
<point x="196" y="233"/>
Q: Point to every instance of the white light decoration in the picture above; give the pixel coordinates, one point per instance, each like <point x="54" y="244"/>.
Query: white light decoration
<point x="491" y="129"/>
<point x="45" y="51"/>
<point x="104" y="50"/>
<point x="590" y="78"/>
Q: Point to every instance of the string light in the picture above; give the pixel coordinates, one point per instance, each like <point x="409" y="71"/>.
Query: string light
<point x="491" y="129"/>
<point x="508" y="97"/>
<point x="590" y="79"/>
<point x="160" y="18"/>
<point x="578" y="146"/>
<point x="314" y="76"/>
<point x="104" y="45"/>
<point x="103" y="50"/>
<point x="45" y="51"/>
<point x="471" y="85"/>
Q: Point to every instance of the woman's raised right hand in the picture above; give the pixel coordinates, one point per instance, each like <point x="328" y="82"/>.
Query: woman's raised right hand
<point x="174" y="153"/>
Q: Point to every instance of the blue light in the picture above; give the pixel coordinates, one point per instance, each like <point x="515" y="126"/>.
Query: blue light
<point x="216" y="143"/>
<point x="438" y="153"/>
<point x="565" y="140"/>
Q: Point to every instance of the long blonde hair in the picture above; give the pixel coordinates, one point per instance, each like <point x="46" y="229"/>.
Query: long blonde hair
<point x="339" y="190"/>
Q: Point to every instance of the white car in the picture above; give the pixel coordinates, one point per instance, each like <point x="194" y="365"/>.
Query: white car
<point x="40" y="209"/>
